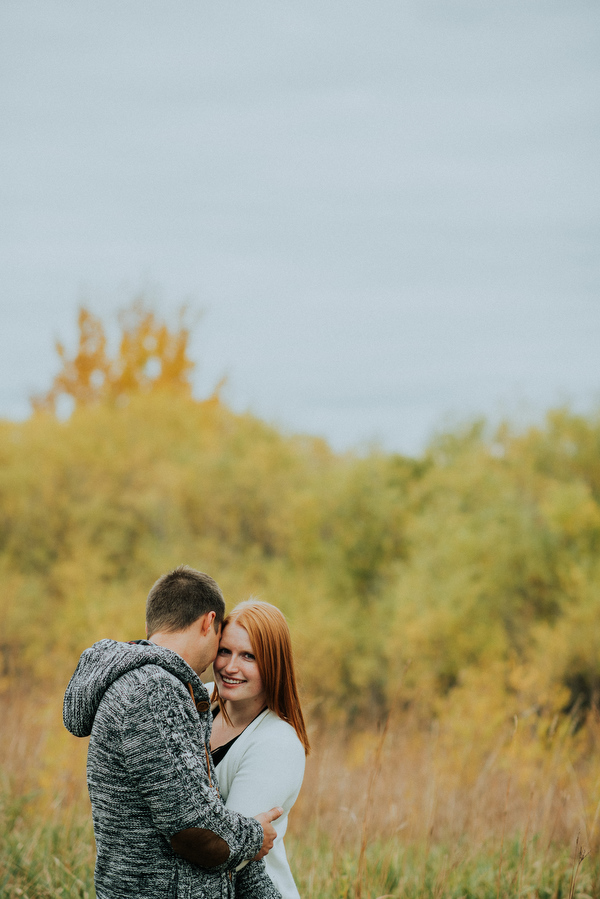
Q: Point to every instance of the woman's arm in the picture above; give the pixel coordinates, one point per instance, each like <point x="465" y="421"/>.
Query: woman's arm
<point x="269" y="771"/>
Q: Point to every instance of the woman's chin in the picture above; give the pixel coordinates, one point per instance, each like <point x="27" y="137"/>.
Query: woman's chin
<point x="226" y="691"/>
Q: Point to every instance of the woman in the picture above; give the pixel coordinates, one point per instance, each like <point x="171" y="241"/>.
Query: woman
<point x="259" y="741"/>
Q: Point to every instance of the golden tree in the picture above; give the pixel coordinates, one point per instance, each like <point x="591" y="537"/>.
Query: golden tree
<point x="150" y="357"/>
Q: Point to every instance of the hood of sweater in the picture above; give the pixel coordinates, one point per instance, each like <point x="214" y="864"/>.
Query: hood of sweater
<point x="104" y="663"/>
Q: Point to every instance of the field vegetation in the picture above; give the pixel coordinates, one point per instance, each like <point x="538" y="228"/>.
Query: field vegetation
<point x="444" y="611"/>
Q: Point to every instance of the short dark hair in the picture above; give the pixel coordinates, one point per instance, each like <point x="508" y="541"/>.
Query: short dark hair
<point x="179" y="598"/>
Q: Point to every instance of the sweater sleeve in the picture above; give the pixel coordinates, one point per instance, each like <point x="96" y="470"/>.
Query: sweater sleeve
<point x="270" y="772"/>
<point x="166" y="757"/>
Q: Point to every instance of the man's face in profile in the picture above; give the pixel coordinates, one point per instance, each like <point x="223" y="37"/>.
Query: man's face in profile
<point x="201" y="645"/>
<point x="213" y="644"/>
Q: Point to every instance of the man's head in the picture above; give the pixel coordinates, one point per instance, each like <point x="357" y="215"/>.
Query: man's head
<point x="184" y="612"/>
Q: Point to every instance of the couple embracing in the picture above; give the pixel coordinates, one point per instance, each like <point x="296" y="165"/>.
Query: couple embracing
<point x="191" y="785"/>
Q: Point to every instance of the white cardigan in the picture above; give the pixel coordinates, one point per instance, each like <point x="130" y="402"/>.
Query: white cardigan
<point x="264" y="768"/>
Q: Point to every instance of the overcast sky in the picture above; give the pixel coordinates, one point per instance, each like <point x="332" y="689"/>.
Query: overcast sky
<point x="387" y="210"/>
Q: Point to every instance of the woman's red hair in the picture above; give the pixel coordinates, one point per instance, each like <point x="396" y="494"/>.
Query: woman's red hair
<point x="272" y="645"/>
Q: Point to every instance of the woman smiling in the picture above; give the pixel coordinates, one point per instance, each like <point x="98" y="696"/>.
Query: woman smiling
<point x="259" y="741"/>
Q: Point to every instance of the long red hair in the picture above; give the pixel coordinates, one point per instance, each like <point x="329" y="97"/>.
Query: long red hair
<point x="272" y="645"/>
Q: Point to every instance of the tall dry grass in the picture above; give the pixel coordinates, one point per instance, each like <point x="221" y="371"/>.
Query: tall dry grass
<point x="420" y="811"/>
<point x="410" y="811"/>
<point x="46" y="838"/>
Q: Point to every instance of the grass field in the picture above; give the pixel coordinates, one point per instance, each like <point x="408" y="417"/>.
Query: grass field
<point x="408" y="812"/>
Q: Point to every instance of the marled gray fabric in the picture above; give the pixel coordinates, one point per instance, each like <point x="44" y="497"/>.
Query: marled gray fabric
<point x="148" y="777"/>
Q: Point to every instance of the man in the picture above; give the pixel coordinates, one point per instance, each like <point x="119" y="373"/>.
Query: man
<point x="161" y="828"/>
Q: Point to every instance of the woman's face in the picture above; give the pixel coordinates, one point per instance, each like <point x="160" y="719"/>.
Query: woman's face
<point x="236" y="669"/>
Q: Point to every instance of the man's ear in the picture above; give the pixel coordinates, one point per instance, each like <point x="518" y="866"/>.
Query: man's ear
<point x="208" y="622"/>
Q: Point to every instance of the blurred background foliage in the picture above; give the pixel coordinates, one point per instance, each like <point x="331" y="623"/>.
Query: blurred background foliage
<point x="465" y="579"/>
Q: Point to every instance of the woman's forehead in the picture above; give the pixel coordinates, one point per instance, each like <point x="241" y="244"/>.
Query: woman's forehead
<point x="235" y="636"/>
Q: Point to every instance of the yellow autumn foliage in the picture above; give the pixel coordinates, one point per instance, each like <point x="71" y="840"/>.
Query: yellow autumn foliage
<point x="425" y="583"/>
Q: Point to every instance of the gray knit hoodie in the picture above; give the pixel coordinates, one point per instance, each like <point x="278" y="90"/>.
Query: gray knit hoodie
<point x="150" y="776"/>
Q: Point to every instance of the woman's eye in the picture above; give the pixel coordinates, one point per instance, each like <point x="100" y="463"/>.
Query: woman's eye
<point x="249" y="656"/>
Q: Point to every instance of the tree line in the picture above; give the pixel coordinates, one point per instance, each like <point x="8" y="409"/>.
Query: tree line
<point x="408" y="582"/>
